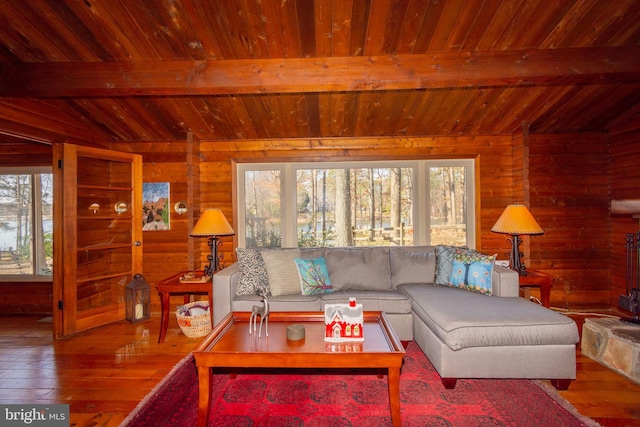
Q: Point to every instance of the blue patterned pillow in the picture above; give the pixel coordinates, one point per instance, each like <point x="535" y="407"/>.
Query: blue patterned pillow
<point x="314" y="276"/>
<point x="472" y="271"/>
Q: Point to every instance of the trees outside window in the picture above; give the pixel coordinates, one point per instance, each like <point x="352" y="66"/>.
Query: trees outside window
<point x="399" y="203"/>
<point x="26" y="222"/>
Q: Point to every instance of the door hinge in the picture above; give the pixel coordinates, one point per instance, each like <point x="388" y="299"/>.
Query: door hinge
<point x="60" y="305"/>
<point x="59" y="164"/>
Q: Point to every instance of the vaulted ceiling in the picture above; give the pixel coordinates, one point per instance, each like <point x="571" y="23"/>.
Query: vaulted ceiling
<point x="244" y="69"/>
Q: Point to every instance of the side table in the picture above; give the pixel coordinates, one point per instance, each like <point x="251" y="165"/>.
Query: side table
<point x="173" y="286"/>
<point x="538" y="279"/>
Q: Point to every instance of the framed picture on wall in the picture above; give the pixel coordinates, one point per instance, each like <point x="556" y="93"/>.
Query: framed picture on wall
<point x="155" y="206"/>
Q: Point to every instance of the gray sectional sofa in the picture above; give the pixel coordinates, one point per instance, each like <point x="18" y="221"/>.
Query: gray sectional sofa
<point x="464" y="334"/>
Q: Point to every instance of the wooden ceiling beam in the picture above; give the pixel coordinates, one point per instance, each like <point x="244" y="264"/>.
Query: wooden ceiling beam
<point x="578" y="66"/>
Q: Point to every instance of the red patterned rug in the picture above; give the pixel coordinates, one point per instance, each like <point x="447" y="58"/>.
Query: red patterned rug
<point x="326" y="399"/>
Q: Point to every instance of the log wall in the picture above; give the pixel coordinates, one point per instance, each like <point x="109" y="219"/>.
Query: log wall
<point x="493" y="155"/>
<point x="568" y="179"/>
<point x="566" y="175"/>
<point x="624" y="163"/>
<point x="169" y="252"/>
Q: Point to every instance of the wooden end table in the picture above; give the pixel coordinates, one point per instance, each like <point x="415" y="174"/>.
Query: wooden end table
<point x="538" y="279"/>
<point x="173" y="286"/>
<point x="229" y="345"/>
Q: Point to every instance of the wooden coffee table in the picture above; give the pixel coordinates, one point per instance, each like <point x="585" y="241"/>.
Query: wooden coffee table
<point x="229" y="345"/>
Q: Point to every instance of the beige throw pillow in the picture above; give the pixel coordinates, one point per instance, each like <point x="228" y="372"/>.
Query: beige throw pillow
<point x="282" y="271"/>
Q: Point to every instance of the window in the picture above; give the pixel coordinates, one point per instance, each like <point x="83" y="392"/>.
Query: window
<point x="26" y="223"/>
<point x="403" y="203"/>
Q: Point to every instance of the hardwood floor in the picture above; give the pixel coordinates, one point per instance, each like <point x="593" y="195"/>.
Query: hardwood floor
<point x="104" y="373"/>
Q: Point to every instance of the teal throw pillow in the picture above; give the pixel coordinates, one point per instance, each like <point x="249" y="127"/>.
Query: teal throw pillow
<point x="314" y="276"/>
<point x="472" y="271"/>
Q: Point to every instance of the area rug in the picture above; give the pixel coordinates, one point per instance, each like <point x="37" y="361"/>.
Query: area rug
<point x="322" y="399"/>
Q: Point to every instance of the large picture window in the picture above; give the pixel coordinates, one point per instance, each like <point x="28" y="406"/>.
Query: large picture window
<point x="26" y="223"/>
<point x="401" y="203"/>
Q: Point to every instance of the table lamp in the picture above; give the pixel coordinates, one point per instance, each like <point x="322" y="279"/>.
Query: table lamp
<point x="516" y="220"/>
<point x="212" y="224"/>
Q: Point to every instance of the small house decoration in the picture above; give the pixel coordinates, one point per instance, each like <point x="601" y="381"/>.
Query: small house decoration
<point x="138" y="299"/>
<point x="344" y="322"/>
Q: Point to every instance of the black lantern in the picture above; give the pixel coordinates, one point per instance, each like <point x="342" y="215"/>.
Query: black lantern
<point x="138" y="301"/>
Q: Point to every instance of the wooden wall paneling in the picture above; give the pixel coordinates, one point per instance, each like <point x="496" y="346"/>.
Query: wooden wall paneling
<point x="14" y="153"/>
<point x="493" y="152"/>
<point x="624" y="178"/>
<point x="569" y="198"/>
<point x="193" y="198"/>
<point x="26" y="297"/>
<point x="171" y="251"/>
<point x="27" y="129"/>
<point x="216" y="192"/>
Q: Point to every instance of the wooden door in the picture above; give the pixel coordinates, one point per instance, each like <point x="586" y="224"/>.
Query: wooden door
<point x="97" y="235"/>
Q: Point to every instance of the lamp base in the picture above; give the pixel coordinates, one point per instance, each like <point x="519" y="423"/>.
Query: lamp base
<point x="214" y="258"/>
<point x="515" y="263"/>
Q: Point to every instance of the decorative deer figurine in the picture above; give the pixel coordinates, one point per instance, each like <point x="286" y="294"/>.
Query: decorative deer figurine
<point x="263" y="312"/>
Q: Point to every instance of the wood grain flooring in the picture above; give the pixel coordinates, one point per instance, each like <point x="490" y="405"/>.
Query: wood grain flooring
<point x="103" y="374"/>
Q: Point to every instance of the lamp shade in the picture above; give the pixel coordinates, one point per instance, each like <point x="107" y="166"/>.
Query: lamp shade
<point x="212" y="222"/>
<point x="516" y="219"/>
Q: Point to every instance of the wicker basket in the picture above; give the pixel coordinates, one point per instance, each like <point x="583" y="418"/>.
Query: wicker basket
<point x="195" y="326"/>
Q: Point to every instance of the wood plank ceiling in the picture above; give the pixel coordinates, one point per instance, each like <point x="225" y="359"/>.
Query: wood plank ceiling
<point x="244" y="69"/>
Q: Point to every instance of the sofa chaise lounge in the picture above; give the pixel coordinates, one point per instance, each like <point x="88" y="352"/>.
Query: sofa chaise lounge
<point x="464" y="334"/>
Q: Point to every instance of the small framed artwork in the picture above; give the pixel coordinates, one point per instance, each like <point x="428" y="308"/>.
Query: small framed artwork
<point x="155" y="206"/>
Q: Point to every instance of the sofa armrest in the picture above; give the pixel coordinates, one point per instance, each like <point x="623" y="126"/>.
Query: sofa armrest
<point x="505" y="282"/>
<point x="225" y="283"/>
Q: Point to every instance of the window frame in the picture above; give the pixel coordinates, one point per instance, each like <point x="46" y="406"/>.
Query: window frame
<point x="288" y="171"/>
<point x="36" y="217"/>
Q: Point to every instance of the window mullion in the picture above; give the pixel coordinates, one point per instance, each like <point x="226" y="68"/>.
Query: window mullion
<point x="36" y="224"/>
<point x="288" y="211"/>
<point x="421" y="224"/>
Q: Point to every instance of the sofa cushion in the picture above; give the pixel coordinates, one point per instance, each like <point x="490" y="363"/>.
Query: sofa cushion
<point x="313" y="275"/>
<point x="412" y="267"/>
<point x="359" y="268"/>
<point x="389" y="301"/>
<point x="297" y="302"/>
<point x="311" y="253"/>
<point x="253" y="273"/>
<point x="444" y="264"/>
<point x="282" y="271"/>
<point x="472" y="271"/>
<point x="467" y="319"/>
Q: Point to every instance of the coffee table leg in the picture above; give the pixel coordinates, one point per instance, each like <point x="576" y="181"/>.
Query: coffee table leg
<point x="394" y="395"/>
<point x="204" y="390"/>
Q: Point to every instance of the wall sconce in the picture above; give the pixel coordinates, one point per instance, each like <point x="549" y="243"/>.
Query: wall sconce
<point x="138" y="299"/>
<point x="516" y="220"/>
<point x="94" y="207"/>
<point x="121" y="207"/>
<point x="212" y="224"/>
<point x="181" y="207"/>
